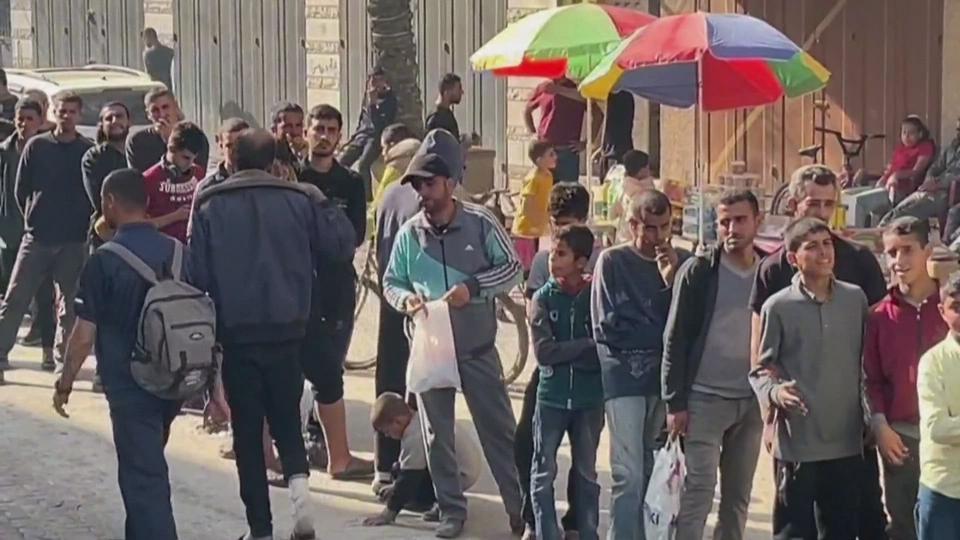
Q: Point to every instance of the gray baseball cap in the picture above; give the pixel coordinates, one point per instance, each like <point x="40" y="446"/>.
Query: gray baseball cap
<point x="440" y="154"/>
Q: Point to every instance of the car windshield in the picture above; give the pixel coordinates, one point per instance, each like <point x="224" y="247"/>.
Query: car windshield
<point x="94" y="101"/>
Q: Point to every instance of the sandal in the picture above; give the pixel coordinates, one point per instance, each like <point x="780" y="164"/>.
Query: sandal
<point x="358" y="469"/>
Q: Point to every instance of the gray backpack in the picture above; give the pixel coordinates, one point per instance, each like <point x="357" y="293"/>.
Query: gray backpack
<point x="176" y="354"/>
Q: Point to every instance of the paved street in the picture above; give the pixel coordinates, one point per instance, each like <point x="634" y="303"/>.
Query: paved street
<point x="58" y="476"/>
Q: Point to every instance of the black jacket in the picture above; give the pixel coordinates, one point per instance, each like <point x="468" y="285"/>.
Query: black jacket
<point x="691" y="310"/>
<point x="256" y="246"/>
<point x="11" y="219"/>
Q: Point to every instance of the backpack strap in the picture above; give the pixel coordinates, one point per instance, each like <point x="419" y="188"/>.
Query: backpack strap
<point x="176" y="267"/>
<point x="134" y="262"/>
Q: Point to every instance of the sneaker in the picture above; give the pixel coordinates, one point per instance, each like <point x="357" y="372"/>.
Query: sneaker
<point x="299" y="487"/>
<point x="432" y="515"/>
<point x="48" y="364"/>
<point x="32" y="338"/>
<point x="449" y="528"/>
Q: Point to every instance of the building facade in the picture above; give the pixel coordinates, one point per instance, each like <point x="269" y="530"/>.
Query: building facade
<point x="889" y="58"/>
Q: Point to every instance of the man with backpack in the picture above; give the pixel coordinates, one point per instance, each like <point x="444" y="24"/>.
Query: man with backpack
<point x="260" y="274"/>
<point x="108" y="307"/>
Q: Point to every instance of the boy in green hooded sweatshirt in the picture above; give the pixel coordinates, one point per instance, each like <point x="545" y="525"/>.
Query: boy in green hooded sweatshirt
<point x="570" y="392"/>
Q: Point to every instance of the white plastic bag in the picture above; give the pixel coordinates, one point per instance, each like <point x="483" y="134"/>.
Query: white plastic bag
<point x="662" y="503"/>
<point x="433" y="357"/>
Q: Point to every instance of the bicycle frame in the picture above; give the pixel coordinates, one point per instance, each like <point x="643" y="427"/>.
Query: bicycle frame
<point x="851" y="148"/>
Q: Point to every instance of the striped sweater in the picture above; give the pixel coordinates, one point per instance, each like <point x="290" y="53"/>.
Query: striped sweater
<point x="474" y="249"/>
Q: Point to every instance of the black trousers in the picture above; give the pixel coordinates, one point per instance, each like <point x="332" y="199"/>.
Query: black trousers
<point x="393" y="352"/>
<point x="523" y="453"/>
<point x="873" y="518"/>
<point x="322" y="356"/>
<point x="264" y="381"/>
<point x="45" y="299"/>
<point x="818" y="500"/>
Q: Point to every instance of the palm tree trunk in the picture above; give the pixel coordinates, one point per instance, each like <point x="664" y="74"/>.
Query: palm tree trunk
<point x="391" y="26"/>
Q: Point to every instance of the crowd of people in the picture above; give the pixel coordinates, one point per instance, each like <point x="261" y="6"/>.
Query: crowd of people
<point x="805" y="352"/>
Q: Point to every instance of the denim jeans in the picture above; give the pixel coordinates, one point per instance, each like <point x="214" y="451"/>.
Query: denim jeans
<point x="635" y="425"/>
<point x="938" y="516"/>
<point x="141" y="427"/>
<point x="584" y="426"/>
<point x="523" y="453"/>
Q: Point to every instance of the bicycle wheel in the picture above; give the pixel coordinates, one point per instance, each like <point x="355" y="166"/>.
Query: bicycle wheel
<point x="778" y="206"/>
<point x="513" y="337"/>
<point x="363" y="352"/>
<point x="366" y="254"/>
<point x="366" y="315"/>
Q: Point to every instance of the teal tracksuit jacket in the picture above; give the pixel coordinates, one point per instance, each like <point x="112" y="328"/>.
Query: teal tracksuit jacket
<point x="473" y="249"/>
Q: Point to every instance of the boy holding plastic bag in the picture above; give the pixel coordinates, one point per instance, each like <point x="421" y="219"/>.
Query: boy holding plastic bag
<point x="458" y="253"/>
<point x="570" y="391"/>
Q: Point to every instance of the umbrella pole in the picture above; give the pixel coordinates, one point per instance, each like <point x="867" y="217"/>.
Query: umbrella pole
<point x="589" y="145"/>
<point x="699" y="173"/>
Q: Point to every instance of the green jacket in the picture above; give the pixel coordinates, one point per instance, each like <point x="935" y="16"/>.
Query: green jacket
<point x="565" y="350"/>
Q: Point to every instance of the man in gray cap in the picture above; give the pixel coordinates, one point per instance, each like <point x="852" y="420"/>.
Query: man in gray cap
<point x="457" y="252"/>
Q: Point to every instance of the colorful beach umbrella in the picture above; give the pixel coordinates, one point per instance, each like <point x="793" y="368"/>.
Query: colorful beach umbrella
<point x="567" y="40"/>
<point x="721" y="61"/>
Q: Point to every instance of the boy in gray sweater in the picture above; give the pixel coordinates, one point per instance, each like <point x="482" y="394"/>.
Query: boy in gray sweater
<point x="809" y="371"/>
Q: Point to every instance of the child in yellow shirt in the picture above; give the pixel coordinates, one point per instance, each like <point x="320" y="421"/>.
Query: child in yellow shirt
<point x="532" y="221"/>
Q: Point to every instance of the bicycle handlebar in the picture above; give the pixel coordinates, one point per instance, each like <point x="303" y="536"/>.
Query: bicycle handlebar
<point x="840" y="137"/>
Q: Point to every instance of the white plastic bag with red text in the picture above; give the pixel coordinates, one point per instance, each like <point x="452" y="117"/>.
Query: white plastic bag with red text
<point x="662" y="503"/>
<point x="433" y="357"/>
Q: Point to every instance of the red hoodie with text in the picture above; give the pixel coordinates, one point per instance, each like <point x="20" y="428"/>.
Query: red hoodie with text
<point x="168" y="190"/>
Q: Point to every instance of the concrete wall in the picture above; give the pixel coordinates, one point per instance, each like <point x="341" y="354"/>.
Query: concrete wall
<point x="21" y="23"/>
<point x="323" y="80"/>
<point x="323" y="52"/>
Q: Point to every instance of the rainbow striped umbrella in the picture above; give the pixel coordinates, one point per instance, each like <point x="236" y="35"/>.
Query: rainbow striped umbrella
<point x="568" y="40"/>
<point x="719" y="61"/>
